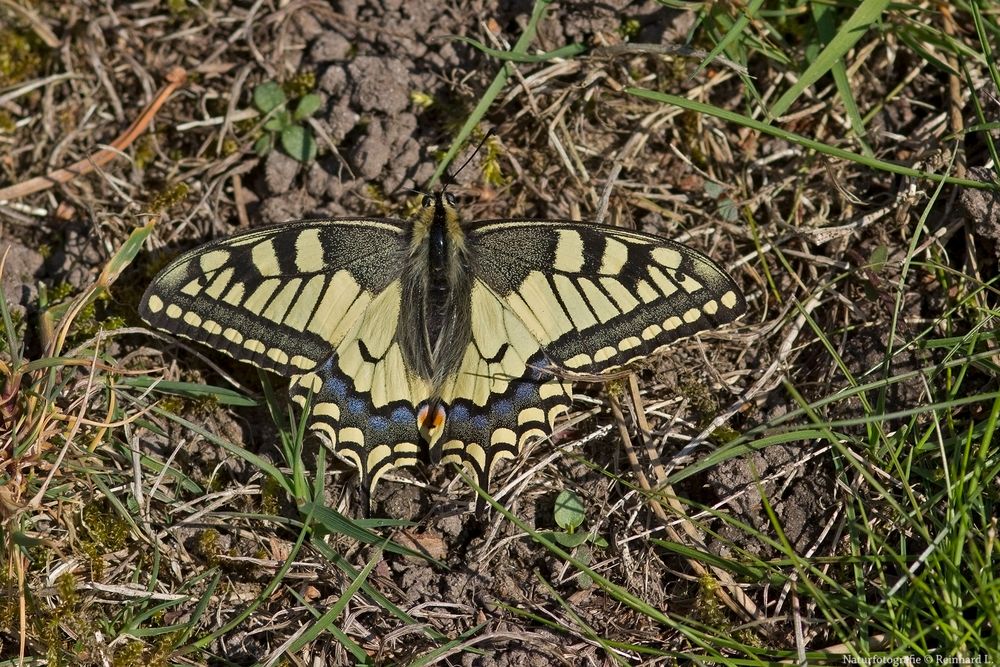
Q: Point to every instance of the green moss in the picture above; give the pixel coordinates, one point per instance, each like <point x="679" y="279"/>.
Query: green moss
<point x="163" y="649"/>
<point x="168" y="197"/>
<point x="300" y="84"/>
<point x="172" y="404"/>
<point x="270" y="497"/>
<point x="709" y="611"/>
<point x="629" y="29"/>
<point x="95" y="316"/>
<point x="60" y="292"/>
<point x="724" y="434"/>
<point x="208" y="546"/>
<point x="378" y="199"/>
<point x="7" y="124"/>
<point x="129" y="655"/>
<point x="145" y="151"/>
<point x="707" y="608"/>
<point x="66" y="587"/>
<point x="229" y="147"/>
<point x="178" y="8"/>
<point x="106" y="532"/>
<point x="701" y="402"/>
<point x="102" y="312"/>
<point x="21" y="56"/>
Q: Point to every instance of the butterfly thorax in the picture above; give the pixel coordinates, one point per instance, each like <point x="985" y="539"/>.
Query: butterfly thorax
<point x="434" y="326"/>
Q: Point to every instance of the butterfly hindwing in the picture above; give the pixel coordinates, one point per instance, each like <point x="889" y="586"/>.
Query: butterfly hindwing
<point x="598" y="297"/>
<point x="501" y="395"/>
<point x="278" y="297"/>
<point x="364" y="396"/>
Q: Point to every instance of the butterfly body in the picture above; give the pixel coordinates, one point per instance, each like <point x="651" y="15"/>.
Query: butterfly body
<point x="436" y="338"/>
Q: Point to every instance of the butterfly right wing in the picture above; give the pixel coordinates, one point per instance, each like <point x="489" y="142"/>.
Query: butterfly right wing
<point x="598" y="297"/>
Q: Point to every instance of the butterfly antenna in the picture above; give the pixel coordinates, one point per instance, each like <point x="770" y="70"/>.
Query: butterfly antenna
<point x="449" y="179"/>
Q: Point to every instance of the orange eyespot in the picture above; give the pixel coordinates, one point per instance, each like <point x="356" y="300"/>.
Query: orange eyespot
<point x="430" y="419"/>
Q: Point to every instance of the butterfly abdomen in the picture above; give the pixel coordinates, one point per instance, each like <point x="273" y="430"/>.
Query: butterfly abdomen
<point x="434" y="313"/>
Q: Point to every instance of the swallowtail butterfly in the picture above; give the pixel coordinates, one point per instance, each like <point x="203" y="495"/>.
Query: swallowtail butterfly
<point x="434" y="338"/>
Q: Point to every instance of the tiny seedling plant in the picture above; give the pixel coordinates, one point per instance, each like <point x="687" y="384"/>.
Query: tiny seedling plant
<point x="569" y="514"/>
<point x="288" y="126"/>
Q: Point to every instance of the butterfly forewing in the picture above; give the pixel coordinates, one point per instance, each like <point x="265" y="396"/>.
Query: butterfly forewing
<point x="597" y="298"/>
<point x="278" y="297"/>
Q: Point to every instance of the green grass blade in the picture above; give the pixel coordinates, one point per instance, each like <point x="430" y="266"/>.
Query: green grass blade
<point x="867" y="13"/>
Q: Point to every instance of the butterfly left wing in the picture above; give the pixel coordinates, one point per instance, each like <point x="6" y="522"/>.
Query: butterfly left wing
<point x="278" y="297"/>
<point x="597" y="298"/>
<point x="317" y="301"/>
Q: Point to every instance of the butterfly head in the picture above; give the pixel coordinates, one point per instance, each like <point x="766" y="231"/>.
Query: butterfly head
<point x="439" y="201"/>
<point x="438" y="210"/>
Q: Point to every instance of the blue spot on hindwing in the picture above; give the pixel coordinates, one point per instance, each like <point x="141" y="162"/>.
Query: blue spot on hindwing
<point x="504" y="407"/>
<point x="355" y="406"/>
<point x="524" y="391"/>
<point x="402" y="415"/>
<point x="459" y="413"/>
<point x="378" y="423"/>
<point x="336" y="386"/>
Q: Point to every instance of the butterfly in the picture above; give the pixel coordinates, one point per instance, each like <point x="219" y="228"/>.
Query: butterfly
<point x="433" y="339"/>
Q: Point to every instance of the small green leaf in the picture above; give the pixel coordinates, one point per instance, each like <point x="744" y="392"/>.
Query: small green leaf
<point x="279" y="121"/>
<point x="571" y="540"/>
<point x="299" y="143"/>
<point x="307" y="106"/>
<point x="879" y="257"/>
<point x="263" y="145"/>
<point x="569" y="512"/>
<point x="729" y="210"/>
<point x="268" y="96"/>
<point x="713" y="189"/>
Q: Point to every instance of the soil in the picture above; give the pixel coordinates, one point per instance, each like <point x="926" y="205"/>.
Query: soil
<point x="563" y="136"/>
